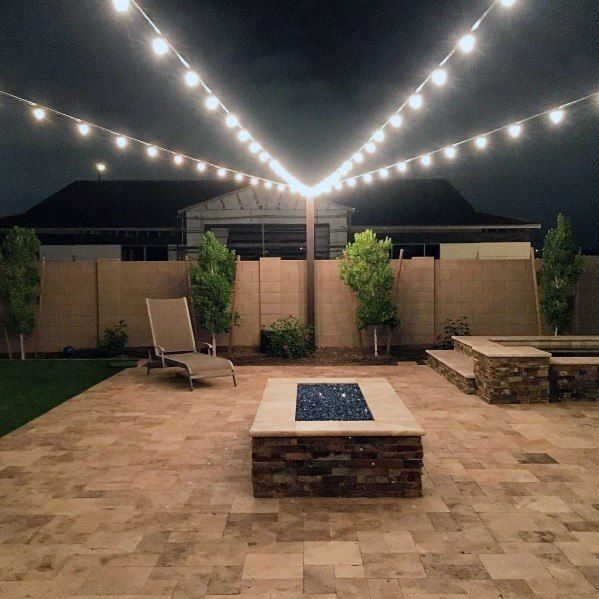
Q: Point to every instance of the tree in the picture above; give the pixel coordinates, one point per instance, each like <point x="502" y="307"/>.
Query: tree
<point x="19" y="263"/>
<point x="212" y="281"/>
<point x="561" y="269"/>
<point x="366" y="270"/>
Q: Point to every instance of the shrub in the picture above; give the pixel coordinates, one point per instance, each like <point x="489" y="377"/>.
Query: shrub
<point x="454" y="328"/>
<point x="114" y="341"/>
<point x="287" y="338"/>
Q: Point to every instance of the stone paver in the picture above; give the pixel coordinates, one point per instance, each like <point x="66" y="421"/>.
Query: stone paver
<point x="139" y="488"/>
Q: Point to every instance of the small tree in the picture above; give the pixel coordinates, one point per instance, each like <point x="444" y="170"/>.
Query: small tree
<point x="19" y="279"/>
<point x="561" y="269"/>
<point x="212" y="281"/>
<point x="366" y="270"/>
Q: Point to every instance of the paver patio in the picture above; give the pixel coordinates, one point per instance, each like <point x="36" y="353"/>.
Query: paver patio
<point x="140" y="488"/>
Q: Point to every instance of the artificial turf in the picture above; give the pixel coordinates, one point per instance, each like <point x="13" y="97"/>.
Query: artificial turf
<point x="31" y="388"/>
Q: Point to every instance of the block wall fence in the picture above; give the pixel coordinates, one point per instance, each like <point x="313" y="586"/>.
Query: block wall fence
<point x="80" y="299"/>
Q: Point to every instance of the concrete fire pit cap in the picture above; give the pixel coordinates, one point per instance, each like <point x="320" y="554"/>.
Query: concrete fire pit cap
<point x="276" y="412"/>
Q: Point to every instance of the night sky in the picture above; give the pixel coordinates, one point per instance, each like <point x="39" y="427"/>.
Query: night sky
<point x="311" y="80"/>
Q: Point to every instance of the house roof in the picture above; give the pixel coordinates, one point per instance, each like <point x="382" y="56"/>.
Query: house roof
<point x="118" y="204"/>
<point x="417" y="203"/>
<point x="155" y="204"/>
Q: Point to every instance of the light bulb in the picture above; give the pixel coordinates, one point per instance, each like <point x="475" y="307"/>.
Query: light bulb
<point x="515" y="130"/>
<point x="268" y="185"/>
<point x="358" y="157"/>
<point x="338" y="186"/>
<point x="557" y="116"/>
<point x="450" y="152"/>
<point x="39" y="114"/>
<point x="212" y="102"/>
<point x="178" y="160"/>
<point x="84" y="129"/>
<point x="122" y="142"/>
<point x="160" y="46"/>
<point x="192" y="78"/>
<point x="222" y="173"/>
<point x="280" y="187"/>
<point x="351" y="182"/>
<point x="367" y="178"/>
<point x="370" y="147"/>
<point x="467" y="43"/>
<point x="383" y="173"/>
<point x="415" y="101"/>
<point x="264" y="157"/>
<point x="378" y="135"/>
<point x="346" y="167"/>
<point x="201" y="167"/>
<point x="253" y="181"/>
<point x="152" y="152"/>
<point x="402" y="167"/>
<point x="255" y="147"/>
<point x="121" y="5"/>
<point x="232" y="121"/>
<point x="243" y="135"/>
<point x="396" y="121"/>
<point x="481" y="142"/>
<point x="239" y="177"/>
<point x="508" y="3"/>
<point x="439" y="77"/>
<point x="101" y="167"/>
<point x="426" y="160"/>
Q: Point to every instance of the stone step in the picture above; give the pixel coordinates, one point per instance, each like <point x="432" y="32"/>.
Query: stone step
<point x="456" y="366"/>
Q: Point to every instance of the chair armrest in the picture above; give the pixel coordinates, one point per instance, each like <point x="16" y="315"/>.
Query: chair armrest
<point x="159" y="351"/>
<point x="209" y="346"/>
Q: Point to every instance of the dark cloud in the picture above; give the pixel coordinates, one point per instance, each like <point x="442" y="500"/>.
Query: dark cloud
<point x="313" y="79"/>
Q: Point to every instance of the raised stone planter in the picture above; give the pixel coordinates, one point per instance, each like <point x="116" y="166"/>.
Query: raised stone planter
<point x="378" y="458"/>
<point x="574" y="379"/>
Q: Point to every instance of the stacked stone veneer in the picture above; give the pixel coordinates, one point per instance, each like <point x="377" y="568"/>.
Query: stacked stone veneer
<point x="573" y="381"/>
<point x="504" y="380"/>
<point x="464" y="384"/>
<point x="337" y="466"/>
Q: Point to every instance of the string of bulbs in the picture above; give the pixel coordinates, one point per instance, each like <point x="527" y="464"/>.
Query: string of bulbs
<point x="514" y="130"/>
<point x="161" y="46"/>
<point x="40" y="114"/>
<point x="415" y="101"/>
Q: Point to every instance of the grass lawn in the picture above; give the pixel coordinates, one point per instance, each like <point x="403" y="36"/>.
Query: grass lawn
<point x="31" y="388"/>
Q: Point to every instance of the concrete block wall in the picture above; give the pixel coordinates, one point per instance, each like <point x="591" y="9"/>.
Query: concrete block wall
<point x="81" y="299"/>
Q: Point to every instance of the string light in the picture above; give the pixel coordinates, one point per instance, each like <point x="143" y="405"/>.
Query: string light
<point x="384" y="173"/>
<point x="439" y="77"/>
<point x="467" y="43"/>
<point x="415" y="101"/>
<point x="268" y="185"/>
<point x="201" y="167"/>
<point x="450" y="152"/>
<point x="370" y="147"/>
<point x="396" y="121"/>
<point x="221" y="172"/>
<point x="358" y="157"/>
<point x="212" y="102"/>
<point x="101" y="167"/>
<point x="160" y="46"/>
<point x="264" y="157"/>
<point x="367" y="178"/>
<point x="481" y="142"/>
<point x="508" y="3"/>
<point x="280" y="187"/>
<point x="351" y="182"/>
<point x="255" y="147"/>
<point x="378" y="135"/>
<point x="121" y="141"/>
<point x="192" y="79"/>
<point x="84" y="129"/>
<point x="254" y="181"/>
<point x="557" y="116"/>
<point x="121" y="5"/>
<point x="513" y="129"/>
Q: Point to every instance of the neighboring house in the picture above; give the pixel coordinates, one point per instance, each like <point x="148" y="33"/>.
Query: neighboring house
<point x="161" y="220"/>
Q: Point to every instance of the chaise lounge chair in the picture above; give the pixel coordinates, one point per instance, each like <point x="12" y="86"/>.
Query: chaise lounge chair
<point x="174" y="342"/>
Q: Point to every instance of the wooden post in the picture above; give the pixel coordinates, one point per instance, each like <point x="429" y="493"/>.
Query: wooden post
<point x="39" y="308"/>
<point x="231" y="324"/>
<point x="536" y="291"/>
<point x="397" y="277"/>
<point x="310" y="308"/>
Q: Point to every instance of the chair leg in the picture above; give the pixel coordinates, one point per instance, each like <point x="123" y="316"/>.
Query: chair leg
<point x="234" y="379"/>
<point x="190" y="383"/>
